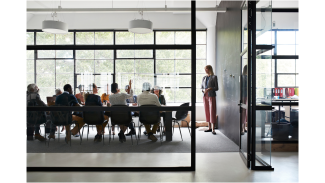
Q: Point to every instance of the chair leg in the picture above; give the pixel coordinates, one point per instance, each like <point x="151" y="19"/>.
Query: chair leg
<point x="45" y="133"/>
<point x="109" y="138"/>
<point x="179" y="126"/>
<point x="173" y="128"/>
<point x="103" y="133"/>
<point x="160" y="133"/>
<point x="135" y="132"/>
<point x="79" y="133"/>
<point x="50" y="133"/>
<point x="59" y="133"/>
<point x="82" y="131"/>
<point x="88" y="133"/>
<point x="188" y="126"/>
<point x="69" y="134"/>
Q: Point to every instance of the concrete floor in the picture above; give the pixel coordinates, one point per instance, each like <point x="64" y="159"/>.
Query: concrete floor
<point x="211" y="167"/>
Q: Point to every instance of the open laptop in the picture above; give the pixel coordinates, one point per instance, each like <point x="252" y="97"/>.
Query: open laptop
<point x="50" y="100"/>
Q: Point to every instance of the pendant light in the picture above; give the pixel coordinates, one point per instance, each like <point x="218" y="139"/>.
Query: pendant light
<point x="55" y="26"/>
<point x="140" y="26"/>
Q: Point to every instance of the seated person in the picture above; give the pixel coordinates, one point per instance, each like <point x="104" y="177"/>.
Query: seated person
<point x="57" y="92"/>
<point x="80" y="95"/>
<point x="158" y="92"/>
<point x="68" y="99"/>
<point x="132" y="100"/>
<point x="118" y="98"/>
<point x="34" y="99"/>
<point x="105" y="97"/>
<point x="147" y="98"/>
<point x="94" y="100"/>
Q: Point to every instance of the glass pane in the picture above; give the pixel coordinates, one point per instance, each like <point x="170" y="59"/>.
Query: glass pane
<point x="183" y="95"/>
<point x="45" y="66"/>
<point x="286" y="80"/>
<point x="64" y="53"/>
<point x="165" y="37"/>
<point x="199" y="96"/>
<point x="170" y="80"/>
<point x="104" y="38"/>
<point x="169" y="95"/>
<point x="63" y="79"/>
<point x="201" y="52"/>
<point x="286" y="66"/>
<point x="183" y="66"/>
<point x="45" y="80"/>
<point x="265" y="39"/>
<point x="64" y="66"/>
<point x="29" y="79"/>
<point x="263" y="80"/>
<point x="30" y="54"/>
<point x="104" y="54"/>
<point x="183" y="54"/>
<point x="263" y="137"/>
<point x="201" y="37"/>
<point x="123" y="79"/>
<point x="144" y="38"/>
<point x="200" y="64"/>
<point x="64" y="38"/>
<point x="125" y="66"/>
<point x="125" y="54"/>
<point x="84" y="66"/>
<point x="185" y="81"/>
<point x="104" y="66"/>
<point x="85" y="54"/>
<point x="45" y="54"/>
<point x="199" y="78"/>
<point x="43" y="38"/>
<point x="286" y="37"/>
<point x="183" y="37"/>
<point x="297" y="80"/>
<point x="85" y="38"/>
<point x="30" y="38"/>
<point x="124" y="38"/>
<point x="46" y="92"/>
<point x="30" y="66"/>
<point x="143" y="54"/>
<point x="297" y="37"/>
<point x="165" y="66"/>
<point x="85" y="80"/>
<point x="286" y="50"/>
<point x="144" y="66"/>
<point x="165" y="54"/>
<point x="139" y="79"/>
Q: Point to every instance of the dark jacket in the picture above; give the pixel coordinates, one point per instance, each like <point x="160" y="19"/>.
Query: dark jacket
<point x="162" y="99"/>
<point x="93" y="100"/>
<point x="212" y="83"/>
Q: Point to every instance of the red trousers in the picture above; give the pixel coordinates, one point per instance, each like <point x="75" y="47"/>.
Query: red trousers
<point x="210" y="108"/>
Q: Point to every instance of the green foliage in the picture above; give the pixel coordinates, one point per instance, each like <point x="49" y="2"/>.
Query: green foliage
<point x="64" y="54"/>
<point x="45" y="66"/>
<point x="104" y="66"/>
<point x="183" y="37"/>
<point x="85" y="54"/>
<point x="45" y="53"/>
<point x="183" y="66"/>
<point x="30" y="67"/>
<point x="144" y="38"/>
<point x="183" y="54"/>
<point x="45" y="80"/>
<point x="124" y="38"/>
<point x="64" y="66"/>
<point x="84" y="38"/>
<point x="46" y="92"/>
<point x="144" y="66"/>
<point x="64" y="39"/>
<point x="63" y="79"/>
<point x="44" y="38"/>
<point x="104" y="54"/>
<point x="85" y="66"/>
<point x="183" y="95"/>
<point x="165" y="37"/>
<point x="143" y="54"/>
<point x="29" y="79"/>
<point x="185" y="81"/>
<point x="30" y="38"/>
<point x="126" y="65"/>
<point x="200" y="64"/>
<point x="104" y="38"/>
<point x="201" y="52"/>
<point x="30" y="54"/>
<point x="165" y="54"/>
<point x="124" y="53"/>
<point x="165" y="66"/>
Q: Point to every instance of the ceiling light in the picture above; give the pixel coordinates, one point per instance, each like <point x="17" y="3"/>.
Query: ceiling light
<point x="140" y="26"/>
<point x="55" y="26"/>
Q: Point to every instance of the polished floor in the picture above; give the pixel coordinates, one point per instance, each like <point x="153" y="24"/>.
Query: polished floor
<point x="210" y="167"/>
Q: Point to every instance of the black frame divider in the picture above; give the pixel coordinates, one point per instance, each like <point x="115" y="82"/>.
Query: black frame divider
<point x="169" y="108"/>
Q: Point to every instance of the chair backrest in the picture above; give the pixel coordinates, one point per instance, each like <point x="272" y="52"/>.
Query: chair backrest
<point x="93" y="117"/>
<point x="180" y="115"/>
<point x="121" y="117"/>
<point x="149" y="117"/>
<point x="34" y="117"/>
<point x="59" y="118"/>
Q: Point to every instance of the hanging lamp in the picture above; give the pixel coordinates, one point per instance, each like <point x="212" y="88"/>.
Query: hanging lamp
<point x="140" y="26"/>
<point x="55" y="26"/>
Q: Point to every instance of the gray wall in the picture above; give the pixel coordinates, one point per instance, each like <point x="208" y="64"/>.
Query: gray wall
<point x="228" y="41"/>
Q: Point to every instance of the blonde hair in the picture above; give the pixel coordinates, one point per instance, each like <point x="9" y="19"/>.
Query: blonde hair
<point x="209" y="67"/>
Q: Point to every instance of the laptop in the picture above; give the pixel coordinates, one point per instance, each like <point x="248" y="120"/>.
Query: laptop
<point x="50" y="100"/>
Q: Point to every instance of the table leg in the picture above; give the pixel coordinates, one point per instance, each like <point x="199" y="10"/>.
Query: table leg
<point x="168" y="126"/>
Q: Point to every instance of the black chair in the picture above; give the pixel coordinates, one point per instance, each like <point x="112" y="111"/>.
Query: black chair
<point x="35" y="117"/>
<point x="180" y="116"/>
<point x="149" y="118"/>
<point x="121" y="118"/>
<point x="93" y="118"/>
<point x="61" y="118"/>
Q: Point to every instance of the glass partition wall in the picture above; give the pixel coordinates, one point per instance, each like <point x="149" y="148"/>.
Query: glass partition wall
<point x="164" y="58"/>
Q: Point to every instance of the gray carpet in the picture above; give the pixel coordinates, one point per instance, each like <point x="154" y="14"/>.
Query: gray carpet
<point x="206" y="142"/>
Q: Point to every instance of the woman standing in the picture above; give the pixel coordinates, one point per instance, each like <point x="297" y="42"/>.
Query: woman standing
<point x="209" y="87"/>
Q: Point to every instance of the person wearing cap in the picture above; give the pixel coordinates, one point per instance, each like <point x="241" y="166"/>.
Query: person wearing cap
<point x="118" y="98"/>
<point x="147" y="98"/>
<point x="80" y="95"/>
